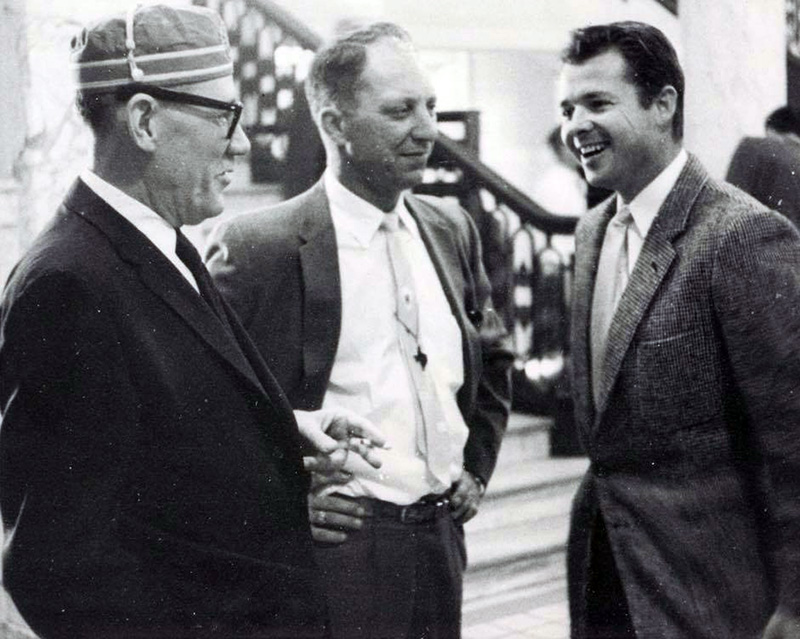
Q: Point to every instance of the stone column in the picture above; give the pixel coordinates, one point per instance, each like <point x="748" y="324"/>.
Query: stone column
<point x="13" y="79"/>
<point x="734" y="56"/>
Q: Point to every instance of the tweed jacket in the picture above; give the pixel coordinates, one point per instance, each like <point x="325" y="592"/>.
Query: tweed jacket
<point x="695" y="462"/>
<point x="279" y="269"/>
<point x="151" y="480"/>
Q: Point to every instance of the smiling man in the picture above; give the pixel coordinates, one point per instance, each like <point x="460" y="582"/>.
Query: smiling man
<point x="363" y="296"/>
<point x="151" y="478"/>
<point x="686" y="365"/>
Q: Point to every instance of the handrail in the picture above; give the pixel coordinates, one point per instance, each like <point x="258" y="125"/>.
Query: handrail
<point x="447" y="148"/>
<point x="305" y="36"/>
<point x="528" y="210"/>
<point x="669" y="5"/>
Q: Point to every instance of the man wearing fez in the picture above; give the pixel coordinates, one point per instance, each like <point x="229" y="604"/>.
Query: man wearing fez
<point x="151" y="478"/>
<point x="686" y="368"/>
<point x="363" y="296"/>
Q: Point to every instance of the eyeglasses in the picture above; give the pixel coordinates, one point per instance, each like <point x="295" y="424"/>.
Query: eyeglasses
<point x="235" y="107"/>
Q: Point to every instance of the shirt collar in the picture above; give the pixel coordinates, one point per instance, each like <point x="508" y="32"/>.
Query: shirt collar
<point x="645" y="206"/>
<point x="356" y="216"/>
<point x="145" y="219"/>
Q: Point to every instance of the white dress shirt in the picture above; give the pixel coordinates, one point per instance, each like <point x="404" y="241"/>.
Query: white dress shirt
<point x="154" y="227"/>
<point x="645" y="206"/>
<point x="369" y="374"/>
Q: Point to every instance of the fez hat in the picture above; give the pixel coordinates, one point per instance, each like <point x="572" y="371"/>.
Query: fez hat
<point x="155" y="44"/>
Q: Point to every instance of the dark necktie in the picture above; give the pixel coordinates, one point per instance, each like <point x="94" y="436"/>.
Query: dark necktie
<point x="188" y="254"/>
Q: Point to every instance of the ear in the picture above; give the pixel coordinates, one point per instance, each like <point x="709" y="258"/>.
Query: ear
<point x="140" y="111"/>
<point x="666" y="104"/>
<point x="332" y="122"/>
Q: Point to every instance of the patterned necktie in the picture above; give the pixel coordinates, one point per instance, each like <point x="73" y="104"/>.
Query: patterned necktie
<point x="188" y="254"/>
<point x="612" y="277"/>
<point x="433" y="434"/>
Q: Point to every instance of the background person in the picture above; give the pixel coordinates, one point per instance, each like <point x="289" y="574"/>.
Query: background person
<point x="768" y="168"/>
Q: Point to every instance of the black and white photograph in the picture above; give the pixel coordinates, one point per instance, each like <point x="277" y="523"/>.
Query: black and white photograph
<point x="400" y="319"/>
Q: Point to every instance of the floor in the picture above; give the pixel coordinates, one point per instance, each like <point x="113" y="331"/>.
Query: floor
<point x="545" y="617"/>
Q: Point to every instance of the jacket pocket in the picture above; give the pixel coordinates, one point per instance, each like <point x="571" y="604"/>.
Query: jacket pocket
<point x="678" y="380"/>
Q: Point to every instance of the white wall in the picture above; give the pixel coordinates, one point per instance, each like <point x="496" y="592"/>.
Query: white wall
<point x="734" y="60"/>
<point x="477" y="24"/>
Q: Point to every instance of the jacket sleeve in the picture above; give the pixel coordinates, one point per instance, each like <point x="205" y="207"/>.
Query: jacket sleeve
<point x="756" y="289"/>
<point x="68" y="416"/>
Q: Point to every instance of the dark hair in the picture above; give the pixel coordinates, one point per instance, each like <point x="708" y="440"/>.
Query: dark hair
<point x="337" y="68"/>
<point x="97" y="110"/>
<point x="650" y="58"/>
<point x="783" y="120"/>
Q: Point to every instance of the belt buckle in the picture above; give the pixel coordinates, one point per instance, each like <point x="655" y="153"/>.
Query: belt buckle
<point x="410" y="515"/>
<point x="418" y="513"/>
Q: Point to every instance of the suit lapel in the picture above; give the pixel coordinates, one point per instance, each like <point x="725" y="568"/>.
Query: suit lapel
<point x="655" y="259"/>
<point x="322" y="293"/>
<point x="160" y="276"/>
<point x="589" y="244"/>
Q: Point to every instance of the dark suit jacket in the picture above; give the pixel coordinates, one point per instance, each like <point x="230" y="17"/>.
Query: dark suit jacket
<point x="151" y="481"/>
<point x="769" y="170"/>
<point x="695" y="463"/>
<point x="279" y="269"/>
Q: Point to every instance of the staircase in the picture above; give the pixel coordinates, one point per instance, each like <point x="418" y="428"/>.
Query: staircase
<point x="516" y="543"/>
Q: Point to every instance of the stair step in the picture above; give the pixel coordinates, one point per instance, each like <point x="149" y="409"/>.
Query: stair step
<point x="491" y="548"/>
<point x="539" y="474"/>
<point x="527" y="438"/>
<point x="542" y="573"/>
<point x="546" y="585"/>
<point x="516" y="545"/>
<point x="555" y="501"/>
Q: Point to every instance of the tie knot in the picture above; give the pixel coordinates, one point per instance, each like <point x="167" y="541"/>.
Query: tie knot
<point x="622" y="217"/>
<point x="390" y="222"/>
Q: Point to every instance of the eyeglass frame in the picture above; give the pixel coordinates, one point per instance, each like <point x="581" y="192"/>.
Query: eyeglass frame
<point x="160" y="93"/>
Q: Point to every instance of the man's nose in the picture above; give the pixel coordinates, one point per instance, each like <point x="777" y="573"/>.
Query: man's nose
<point x="239" y="144"/>
<point x="425" y="125"/>
<point x="572" y="128"/>
<point x="578" y="122"/>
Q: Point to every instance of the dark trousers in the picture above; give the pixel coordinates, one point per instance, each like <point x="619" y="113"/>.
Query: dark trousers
<point x="607" y="613"/>
<point x="396" y="580"/>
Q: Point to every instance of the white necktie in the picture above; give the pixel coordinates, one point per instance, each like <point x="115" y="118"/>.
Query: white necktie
<point x="612" y="277"/>
<point x="433" y="436"/>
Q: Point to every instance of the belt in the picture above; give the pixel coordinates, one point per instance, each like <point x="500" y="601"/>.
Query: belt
<point x="426" y="509"/>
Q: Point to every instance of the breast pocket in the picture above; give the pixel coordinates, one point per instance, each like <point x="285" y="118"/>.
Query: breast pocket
<point x="678" y="379"/>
